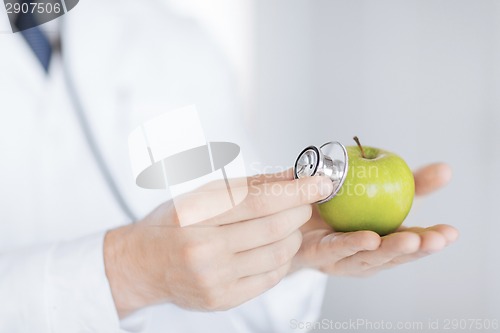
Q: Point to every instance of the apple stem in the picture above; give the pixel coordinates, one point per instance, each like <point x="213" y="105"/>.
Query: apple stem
<point x="360" y="146"/>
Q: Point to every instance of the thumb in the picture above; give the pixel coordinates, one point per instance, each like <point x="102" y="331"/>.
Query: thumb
<point x="431" y="177"/>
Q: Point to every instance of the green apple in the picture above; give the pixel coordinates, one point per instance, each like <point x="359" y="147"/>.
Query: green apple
<point x="377" y="193"/>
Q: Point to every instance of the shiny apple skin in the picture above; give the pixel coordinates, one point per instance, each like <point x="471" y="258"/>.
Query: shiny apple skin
<point x="377" y="194"/>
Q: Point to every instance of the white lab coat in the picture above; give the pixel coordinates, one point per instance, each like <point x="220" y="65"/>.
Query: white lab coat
<point x="130" y="59"/>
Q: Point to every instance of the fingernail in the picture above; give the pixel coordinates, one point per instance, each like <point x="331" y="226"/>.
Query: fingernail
<point x="325" y="187"/>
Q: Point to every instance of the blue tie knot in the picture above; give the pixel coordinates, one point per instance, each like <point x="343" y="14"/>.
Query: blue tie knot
<point x="39" y="43"/>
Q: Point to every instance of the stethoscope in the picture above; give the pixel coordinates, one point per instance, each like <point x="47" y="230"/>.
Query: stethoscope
<point x="330" y="160"/>
<point x="90" y="138"/>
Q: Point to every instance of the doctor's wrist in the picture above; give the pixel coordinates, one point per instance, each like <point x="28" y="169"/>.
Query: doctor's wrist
<point x="127" y="271"/>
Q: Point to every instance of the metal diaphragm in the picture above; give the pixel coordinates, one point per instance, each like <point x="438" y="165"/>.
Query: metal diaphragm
<point x="330" y="160"/>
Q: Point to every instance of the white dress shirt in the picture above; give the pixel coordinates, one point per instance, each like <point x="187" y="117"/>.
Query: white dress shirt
<point x="130" y="60"/>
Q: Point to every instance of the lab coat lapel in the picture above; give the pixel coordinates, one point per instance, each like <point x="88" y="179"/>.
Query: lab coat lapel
<point x="93" y="60"/>
<point x="18" y="61"/>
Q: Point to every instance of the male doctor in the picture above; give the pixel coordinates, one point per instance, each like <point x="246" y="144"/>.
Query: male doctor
<point x="71" y="260"/>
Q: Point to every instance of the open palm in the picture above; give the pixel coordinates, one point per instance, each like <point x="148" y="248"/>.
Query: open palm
<point x="363" y="253"/>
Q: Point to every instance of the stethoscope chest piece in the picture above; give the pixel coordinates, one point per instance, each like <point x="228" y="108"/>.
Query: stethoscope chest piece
<point x="330" y="160"/>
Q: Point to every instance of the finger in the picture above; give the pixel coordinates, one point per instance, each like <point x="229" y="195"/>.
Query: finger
<point x="265" y="230"/>
<point x="270" y="198"/>
<point x="248" y="181"/>
<point x="267" y="258"/>
<point x="431" y="242"/>
<point x="252" y="286"/>
<point x="432" y="177"/>
<point x="433" y="239"/>
<point x="316" y="222"/>
<point x="449" y="233"/>
<point x="338" y="245"/>
<point x="271" y="178"/>
<point x="325" y="250"/>
<point x="392" y="246"/>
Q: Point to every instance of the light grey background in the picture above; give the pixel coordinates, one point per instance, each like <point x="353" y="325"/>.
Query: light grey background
<point x="420" y="78"/>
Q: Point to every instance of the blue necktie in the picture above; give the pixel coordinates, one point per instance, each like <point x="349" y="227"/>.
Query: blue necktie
<point x="34" y="36"/>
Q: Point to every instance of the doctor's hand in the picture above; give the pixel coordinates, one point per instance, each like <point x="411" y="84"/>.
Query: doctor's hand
<point x="364" y="253"/>
<point x="220" y="262"/>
